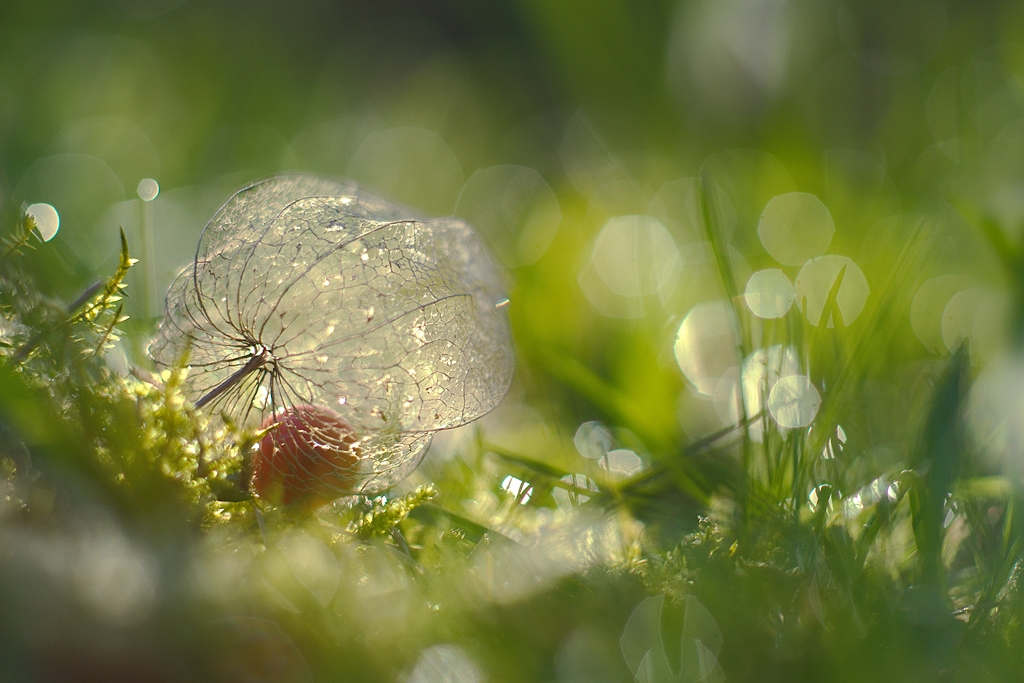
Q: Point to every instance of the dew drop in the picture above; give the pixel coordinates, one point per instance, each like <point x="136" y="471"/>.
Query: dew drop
<point x="47" y="220"/>
<point x="148" y="189"/>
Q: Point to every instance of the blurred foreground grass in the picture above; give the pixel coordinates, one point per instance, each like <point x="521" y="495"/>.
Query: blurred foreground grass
<point x="765" y="265"/>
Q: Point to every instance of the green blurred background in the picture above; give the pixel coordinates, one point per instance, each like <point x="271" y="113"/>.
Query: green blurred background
<point x="875" y="107"/>
<point x="540" y="121"/>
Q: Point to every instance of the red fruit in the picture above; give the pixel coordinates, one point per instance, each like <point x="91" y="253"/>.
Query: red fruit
<point x="310" y="458"/>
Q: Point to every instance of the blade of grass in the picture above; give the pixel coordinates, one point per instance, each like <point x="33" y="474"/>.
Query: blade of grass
<point x="873" y="336"/>
<point x="713" y="229"/>
<point x="937" y="461"/>
<point x="1010" y="254"/>
<point x="602" y="394"/>
<point x="475" y="531"/>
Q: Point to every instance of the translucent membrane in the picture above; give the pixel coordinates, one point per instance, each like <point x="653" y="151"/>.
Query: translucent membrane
<point x="794" y="402"/>
<point x="706" y="344"/>
<point x="307" y="292"/>
<point x="47" y="220"/>
<point x="769" y="293"/>
<point x="928" y="305"/>
<point x="816" y="278"/>
<point x="795" y="227"/>
<point x="635" y="255"/>
<point x="514" y="208"/>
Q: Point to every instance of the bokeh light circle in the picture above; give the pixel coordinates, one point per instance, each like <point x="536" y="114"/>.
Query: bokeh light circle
<point x="793" y="402"/>
<point x="635" y="255"/>
<point x="148" y="189"/>
<point x="795" y="227"/>
<point x="769" y="293"/>
<point x="995" y="415"/>
<point x="928" y="306"/>
<point x="514" y="208"/>
<point x="816" y="278"/>
<point x="706" y="344"/>
<point x="762" y="370"/>
<point x="979" y="315"/>
<point x="593" y="440"/>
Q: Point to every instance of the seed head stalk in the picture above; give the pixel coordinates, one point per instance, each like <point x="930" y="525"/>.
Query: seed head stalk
<point x="257" y="361"/>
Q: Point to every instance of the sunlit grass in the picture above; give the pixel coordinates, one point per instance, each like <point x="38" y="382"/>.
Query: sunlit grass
<point x="765" y="284"/>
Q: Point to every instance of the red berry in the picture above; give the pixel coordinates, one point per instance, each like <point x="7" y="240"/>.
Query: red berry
<point x="309" y="458"/>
